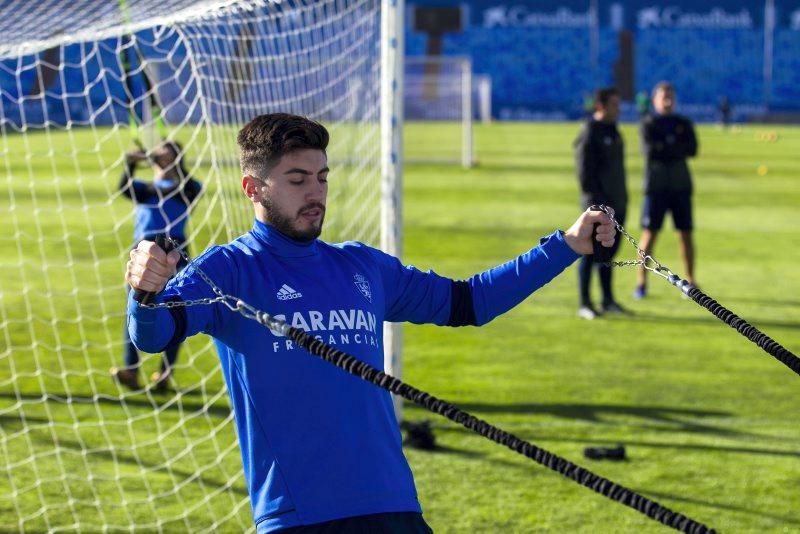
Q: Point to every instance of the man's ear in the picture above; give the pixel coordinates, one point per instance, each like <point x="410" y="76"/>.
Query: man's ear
<point x="252" y="187"/>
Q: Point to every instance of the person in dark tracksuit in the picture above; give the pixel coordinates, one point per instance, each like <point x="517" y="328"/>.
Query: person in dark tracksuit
<point x="667" y="141"/>
<point x="599" y="159"/>
<point x="162" y="206"/>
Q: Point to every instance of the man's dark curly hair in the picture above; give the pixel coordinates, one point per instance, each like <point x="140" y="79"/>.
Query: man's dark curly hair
<point x="177" y="152"/>
<point x="265" y="139"/>
<point x="603" y="95"/>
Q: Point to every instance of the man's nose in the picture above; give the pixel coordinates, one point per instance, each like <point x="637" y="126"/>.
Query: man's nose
<point x="316" y="191"/>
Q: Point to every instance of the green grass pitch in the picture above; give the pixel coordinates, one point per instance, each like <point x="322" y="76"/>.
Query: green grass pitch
<point x="709" y="421"/>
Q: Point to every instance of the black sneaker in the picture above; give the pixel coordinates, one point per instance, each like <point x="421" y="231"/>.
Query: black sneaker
<point x="613" y="308"/>
<point x="605" y="453"/>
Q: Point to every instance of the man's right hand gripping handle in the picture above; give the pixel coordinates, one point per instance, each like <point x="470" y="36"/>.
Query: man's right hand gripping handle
<point x="150" y="269"/>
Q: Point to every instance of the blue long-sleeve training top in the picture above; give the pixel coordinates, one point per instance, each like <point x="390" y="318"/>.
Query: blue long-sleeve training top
<point x="161" y="206"/>
<point x="319" y="444"/>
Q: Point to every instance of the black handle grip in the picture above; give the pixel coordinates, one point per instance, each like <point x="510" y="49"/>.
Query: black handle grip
<point x="144" y="297"/>
<point x="601" y="254"/>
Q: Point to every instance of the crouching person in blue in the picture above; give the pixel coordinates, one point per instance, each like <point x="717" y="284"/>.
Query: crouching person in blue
<point x="321" y="449"/>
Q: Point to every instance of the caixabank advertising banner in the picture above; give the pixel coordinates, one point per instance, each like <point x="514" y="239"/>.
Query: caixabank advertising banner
<point x="544" y="57"/>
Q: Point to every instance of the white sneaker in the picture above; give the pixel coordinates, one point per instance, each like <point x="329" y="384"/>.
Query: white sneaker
<point x="587" y="312"/>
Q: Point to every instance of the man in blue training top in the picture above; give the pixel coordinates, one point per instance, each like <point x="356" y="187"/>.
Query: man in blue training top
<point x="162" y="206"/>
<point x="321" y="449"/>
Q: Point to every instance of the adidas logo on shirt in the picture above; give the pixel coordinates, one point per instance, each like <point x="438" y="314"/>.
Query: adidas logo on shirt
<point x="287" y="293"/>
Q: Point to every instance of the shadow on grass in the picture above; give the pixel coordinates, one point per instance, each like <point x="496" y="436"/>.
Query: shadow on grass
<point x="511" y="461"/>
<point x="709" y="319"/>
<point x="12" y="421"/>
<point x="674" y="419"/>
<point x="721" y="506"/>
<point x="765" y="301"/>
<point x="163" y="401"/>
<point x="444" y="449"/>
<point x="650" y="444"/>
<point x="670" y="445"/>
<point x="590" y="465"/>
<point x="150" y="467"/>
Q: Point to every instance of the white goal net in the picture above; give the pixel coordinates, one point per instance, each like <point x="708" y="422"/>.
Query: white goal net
<point x="80" y="82"/>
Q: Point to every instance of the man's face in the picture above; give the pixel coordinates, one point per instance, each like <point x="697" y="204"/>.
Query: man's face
<point x="163" y="158"/>
<point x="609" y="112"/>
<point x="294" y="194"/>
<point x="664" y="101"/>
<point x="612" y="109"/>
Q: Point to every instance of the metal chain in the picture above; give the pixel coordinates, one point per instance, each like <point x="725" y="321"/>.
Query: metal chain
<point x="647" y="261"/>
<point x="238" y="305"/>
<point x="233" y="303"/>
<point x="586" y="478"/>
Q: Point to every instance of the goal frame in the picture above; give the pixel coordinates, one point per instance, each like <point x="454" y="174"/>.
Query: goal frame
<point x="432" y="67"/>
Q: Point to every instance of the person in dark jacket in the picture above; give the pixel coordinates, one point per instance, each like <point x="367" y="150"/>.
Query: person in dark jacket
<point x="667" y="141"/>
<point x="599" y="159"/>
<point x="162" y="207"/>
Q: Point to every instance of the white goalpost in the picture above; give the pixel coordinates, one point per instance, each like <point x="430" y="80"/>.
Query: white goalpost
<point x="440" y="89"/>
<point x="81" y="82"/>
